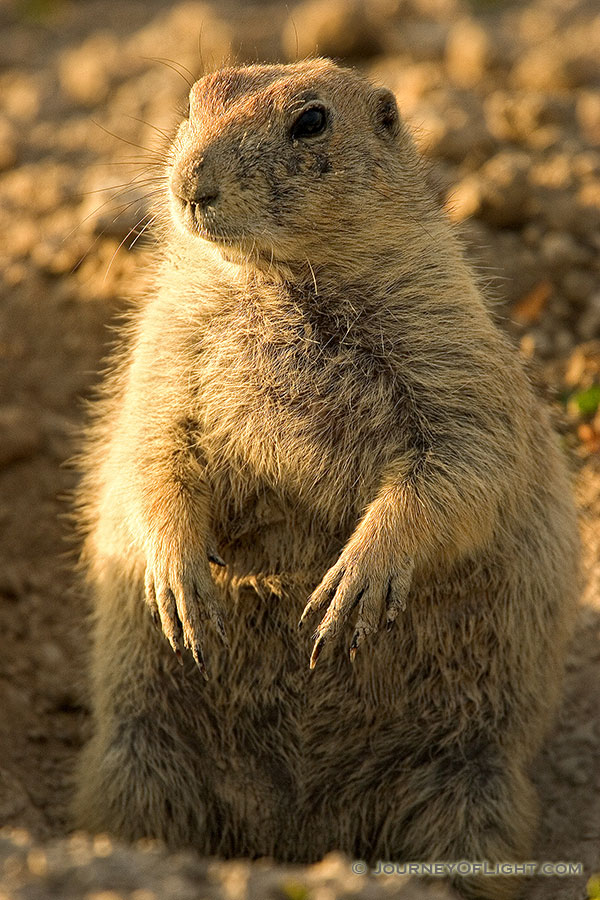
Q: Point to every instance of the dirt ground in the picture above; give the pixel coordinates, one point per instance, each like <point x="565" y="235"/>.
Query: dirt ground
<point x="504" y="98"/>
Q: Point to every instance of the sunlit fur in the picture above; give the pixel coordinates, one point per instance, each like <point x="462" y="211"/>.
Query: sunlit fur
<point x="324" y="369"/>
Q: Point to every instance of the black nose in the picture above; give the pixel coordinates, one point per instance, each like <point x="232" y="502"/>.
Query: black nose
<point x="194" y="188"/>
<point x="207" y="199"/>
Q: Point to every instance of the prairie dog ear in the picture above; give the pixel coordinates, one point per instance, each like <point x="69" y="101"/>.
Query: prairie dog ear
<point x="387" y="117"/>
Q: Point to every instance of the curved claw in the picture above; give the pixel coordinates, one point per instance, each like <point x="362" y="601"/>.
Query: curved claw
<point x="353" y="583"/>
<point x="314" y="603"/>
<point x="212" y="553"/>
<point x="214" y="557"/>
<point x="320" y="643"/>
<point x="354" y="645"/>
<point x="220" y="628"/>
<point x="199" y="659"/>
<point x="180" y="598"/>
<point x="322" y="594"/>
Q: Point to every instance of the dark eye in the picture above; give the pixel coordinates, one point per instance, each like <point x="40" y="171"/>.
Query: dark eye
<point x="309" y="123"/>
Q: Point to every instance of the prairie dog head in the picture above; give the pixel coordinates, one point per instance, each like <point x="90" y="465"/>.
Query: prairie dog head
<point x="291" y="163"/>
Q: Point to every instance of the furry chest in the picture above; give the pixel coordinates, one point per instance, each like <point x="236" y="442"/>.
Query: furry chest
<point x="300" y="414"/>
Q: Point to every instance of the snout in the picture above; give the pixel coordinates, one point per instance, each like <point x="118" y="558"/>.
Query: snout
<point x="217" y="191"/>
<point x="195" y="192"/>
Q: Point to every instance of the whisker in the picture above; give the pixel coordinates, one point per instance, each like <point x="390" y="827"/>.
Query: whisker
<point x="132" y="161"/>
<point x="148" y="224"/>
<point x="93" y="213"/>
<point x="171" y="64"/>
<point x="293" y="21"/>
<point x="167" y="137"/>
<point x="200" y="47"/>
<point x="126" y="238"/>
<point x="128" y="187"/>
<point x="125" y="141"/>
<point x="121" y="209"/>
<point x="133" y="183"/>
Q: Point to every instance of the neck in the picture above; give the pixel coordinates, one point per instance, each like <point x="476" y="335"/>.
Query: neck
<point x="408" y="261"/>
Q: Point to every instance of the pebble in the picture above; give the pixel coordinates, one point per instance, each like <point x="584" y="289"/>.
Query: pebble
<point x="588" y="324"/>
<point x="86" y="72"/>
<point x="563" y="341"/>
<point x="574" y="771"/>
<point x="578" y="284"/>
<point x="423" y="41"/>
<point x="588" y="115"/>
<point x="469" y="53"/>
<point x="195" y="35"/>
<point x="20" y="96"/>
<point x="81" y="868"/>
<point x="541" y="69"/>
<point x="13" y="797"/>
<point x="464" y="200"/>
<point x="336" y="28"/>
<point x="8" y="144"/>
<point x="560" y="249"/>
<point x="114" y="212"/>
<point x="20" y="435"/>
<point x="506" y="194"/>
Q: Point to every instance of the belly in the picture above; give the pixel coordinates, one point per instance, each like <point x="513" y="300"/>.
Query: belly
<point x="312" y="423"/>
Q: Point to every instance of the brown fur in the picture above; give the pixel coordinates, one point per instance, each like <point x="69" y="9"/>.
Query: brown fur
<point x="315" y="387"/>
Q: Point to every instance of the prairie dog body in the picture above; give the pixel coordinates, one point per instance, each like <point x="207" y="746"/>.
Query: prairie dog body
<point x="315" y="391"/>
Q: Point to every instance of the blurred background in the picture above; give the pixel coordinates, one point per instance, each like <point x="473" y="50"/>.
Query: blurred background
<point x="504" y="100"/>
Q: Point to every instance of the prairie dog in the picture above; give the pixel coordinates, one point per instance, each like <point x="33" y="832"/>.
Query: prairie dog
<point x="315" y="395"/>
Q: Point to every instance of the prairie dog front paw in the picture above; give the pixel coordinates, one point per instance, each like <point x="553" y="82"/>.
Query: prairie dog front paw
<point x="181" y="596"/>
<point x="363" y="579"/>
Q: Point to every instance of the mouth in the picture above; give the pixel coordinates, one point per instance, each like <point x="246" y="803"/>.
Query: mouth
<point x="201" y="220"/>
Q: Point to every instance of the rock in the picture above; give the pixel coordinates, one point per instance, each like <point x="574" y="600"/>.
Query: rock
<point x="458" y="133"/>
<point x="410" y="83"/>
<point x="563" y="341"/>
<point x="100" y="868"/>
<point x="588" y="115"/>
<point x="20" y="96"/>
<point x="557" y="209"/>
<point x="63" y="246"/>
<point x="39" y="188"/>
<point x="20" y="435"/>
<point x="587" y="164"/>
<point x="582" y="68"/>
<point x="560" y="250"/>
<point x="22" y="236"/>
<point x="336" y="28"/>
<point x="194" y="35"/>
<point x="86" y="72"/>
<point x="423" y="41"/>
<point x="506" y="197"/>
<point x="541" y="68"/>
<point x="8" y="144"/>
<point x="573" y="770"/>
<point x="464" y="200"/>
<point x="469" y="53"/>
<point x="578" y="284"/>
<point x="14" y="799"/>
<point x="538" y="343"/>
<point x="528" y="117"/>
<point x="532" y="235"/>
<point x="588" y="324"/>
<point x="114" y="211"/>
<point x="529" y="309"/>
